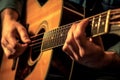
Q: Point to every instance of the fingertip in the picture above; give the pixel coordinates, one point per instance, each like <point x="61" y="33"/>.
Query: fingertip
<point x="86" y="19"/>
<point x="64" y="48"/>
<point x="24" y="46"/>
<point x="85" y="22"/>
<point x="26" y="40"/>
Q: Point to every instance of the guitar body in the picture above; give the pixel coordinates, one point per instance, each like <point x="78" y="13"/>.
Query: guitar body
<point x="47" y="18"/>
<point x="50" y="64"/>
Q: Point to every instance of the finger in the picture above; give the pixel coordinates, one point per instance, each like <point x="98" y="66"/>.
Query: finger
<point x="68" y="38"/>
<point x="67" y="51"/>
<point x="81" y="27"/>
<point x="8" y="50"/>
<point x="79" y="34"/>
<point x="11" y="51"/>
<point x="20" y="48"/>
<point x="12" y="41"/>
<point x="70" y="45"/>
<point x="23" y="33"/>
<point x="4" y="42"/>
<point x="9" y="42"/>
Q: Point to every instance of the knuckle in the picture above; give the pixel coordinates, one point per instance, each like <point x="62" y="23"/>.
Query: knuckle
<point x="3" y="43"/>
<point x="77" y="37"/>
<point x="14" y="45"/>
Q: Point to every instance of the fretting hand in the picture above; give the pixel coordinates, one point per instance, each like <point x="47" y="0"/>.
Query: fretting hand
<point x="86" y="50"/>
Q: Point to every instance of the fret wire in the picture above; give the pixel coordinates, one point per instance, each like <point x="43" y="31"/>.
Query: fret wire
<point x="99" y="21"/>
<point x="93" y="22"/>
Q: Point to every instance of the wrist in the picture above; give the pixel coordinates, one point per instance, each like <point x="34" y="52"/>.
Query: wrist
<point x="110" y="59"/>
<point x="9" y="14"/>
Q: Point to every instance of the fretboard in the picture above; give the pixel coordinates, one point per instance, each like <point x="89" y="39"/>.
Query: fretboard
<point x="55" y="37"/>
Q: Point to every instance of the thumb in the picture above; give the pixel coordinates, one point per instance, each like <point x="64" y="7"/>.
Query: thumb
<point x="23" y="33"/>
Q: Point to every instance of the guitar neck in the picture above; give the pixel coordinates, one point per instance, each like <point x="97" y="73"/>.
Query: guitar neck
<point x="99" y="26"/>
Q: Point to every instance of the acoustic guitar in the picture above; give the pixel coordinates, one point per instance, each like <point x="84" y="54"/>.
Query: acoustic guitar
<point x="44" y="59"/>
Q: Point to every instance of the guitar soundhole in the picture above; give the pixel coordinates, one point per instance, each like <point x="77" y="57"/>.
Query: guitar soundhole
<point x="36" y="48"/>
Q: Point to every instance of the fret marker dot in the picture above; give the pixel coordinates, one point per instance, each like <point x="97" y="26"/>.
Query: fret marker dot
<point x="51" y="37"/>
<point x="103" y="23"/>
<point x="96" y="25"/>
<point x="61" y="34"/>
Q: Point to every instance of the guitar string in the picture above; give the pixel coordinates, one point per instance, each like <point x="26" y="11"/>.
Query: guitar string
<point x="113" y="16"/>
